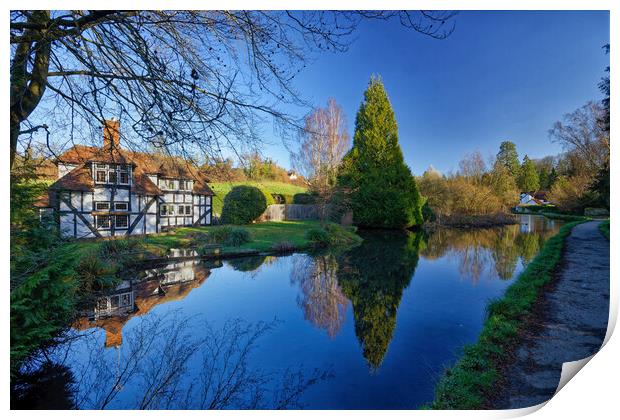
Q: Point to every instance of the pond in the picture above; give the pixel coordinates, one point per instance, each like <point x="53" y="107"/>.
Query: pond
<point x="372" y="327"/>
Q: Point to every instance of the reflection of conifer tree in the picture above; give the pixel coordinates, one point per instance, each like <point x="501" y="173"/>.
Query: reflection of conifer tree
<point x="505" y="253"/>
<point x="373" y="276"/>
<point x="528" y="244"/>
<point x="321" y="298"/>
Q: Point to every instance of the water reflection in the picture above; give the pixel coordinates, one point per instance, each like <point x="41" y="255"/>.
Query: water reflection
<point x="491" y="253"/>
<point x="332" y="308"/>
<point x="320" y="295"/>
<point x="373" y="277"/>
<point x="156" y="286"/>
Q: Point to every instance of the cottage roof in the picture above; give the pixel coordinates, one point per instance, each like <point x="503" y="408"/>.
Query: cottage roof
<point x="79" y="179"/>
<point x="144" y="164"/>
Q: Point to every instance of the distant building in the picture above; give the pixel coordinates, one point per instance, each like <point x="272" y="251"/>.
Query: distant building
<point x="533" y="198"/>
<point x="292" y="175"/>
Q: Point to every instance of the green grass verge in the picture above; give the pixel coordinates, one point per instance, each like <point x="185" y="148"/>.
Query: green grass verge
<point x="222" y="188"/>
<point x="470" y="383"/>
<point x="604" y="228"/>
<point x="565" y="217"/>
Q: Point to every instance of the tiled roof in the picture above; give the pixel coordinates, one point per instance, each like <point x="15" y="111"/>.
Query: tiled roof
<point x="79" y="179"/>
<point x="143" y="185"/>
<point x="144" y="163"/>
<point x="201" y="186"/>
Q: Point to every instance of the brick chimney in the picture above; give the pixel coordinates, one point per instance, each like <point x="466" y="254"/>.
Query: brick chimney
<point x="111" y="134"/>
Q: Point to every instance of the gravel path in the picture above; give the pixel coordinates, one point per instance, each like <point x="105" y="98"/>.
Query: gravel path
<point x="571" y="321"/>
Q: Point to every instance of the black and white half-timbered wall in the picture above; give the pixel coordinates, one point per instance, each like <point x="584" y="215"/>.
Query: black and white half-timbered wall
<point x="108" y="191"/>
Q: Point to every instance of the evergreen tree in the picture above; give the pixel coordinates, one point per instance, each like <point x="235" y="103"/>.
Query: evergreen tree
<point x="381" y="190"/>
<point x="553" y="175"/>
<point x="543" y="178"/>
<point x="528" y="179"/>
<point x="509" y="157"/>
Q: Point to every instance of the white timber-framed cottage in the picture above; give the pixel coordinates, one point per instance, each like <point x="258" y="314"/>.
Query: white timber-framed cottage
<point x="108" y="191"/>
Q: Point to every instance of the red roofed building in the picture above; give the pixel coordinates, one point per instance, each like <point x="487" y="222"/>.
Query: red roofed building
<point x="108" y="191"/>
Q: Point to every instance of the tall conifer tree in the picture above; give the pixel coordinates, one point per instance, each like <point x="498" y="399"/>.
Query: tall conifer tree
<point x="382" y="192"/>
<point x="528" y="180"/>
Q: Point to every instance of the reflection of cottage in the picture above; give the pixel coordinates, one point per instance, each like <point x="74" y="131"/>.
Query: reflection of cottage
<point x="292" y="175"/>
<point x="108" y="191"/>
<point x="112" y="312"/>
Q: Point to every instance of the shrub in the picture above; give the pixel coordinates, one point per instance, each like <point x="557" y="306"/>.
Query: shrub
<point x="318" y="237"/>
<point x="243" y="204"/>
<point x="224" y="235"/>
<point x="333" y="235"/>
<point x="96" y="273"/>
<point x="114" y="248"/>
<point x="237" y="237"/>
<point x="304" y="198"/>
<point x="427" y="213"/>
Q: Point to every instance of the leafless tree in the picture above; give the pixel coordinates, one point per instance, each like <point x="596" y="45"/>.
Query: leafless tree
<point x="187" y="82"/>
<point x="473" y="167"/>
<point x="325" y="140"/>
<point x="584" y="137"/>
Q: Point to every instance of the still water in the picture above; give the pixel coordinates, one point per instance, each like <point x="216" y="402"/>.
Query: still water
<point x="371" y="327"/>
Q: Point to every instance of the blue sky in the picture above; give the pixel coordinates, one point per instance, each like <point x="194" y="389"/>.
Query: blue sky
<point x="500" y="76"/>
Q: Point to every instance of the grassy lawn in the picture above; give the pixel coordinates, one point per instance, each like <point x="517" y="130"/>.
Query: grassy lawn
<point x="264" y="236"/>
<point x="222" y="188"/>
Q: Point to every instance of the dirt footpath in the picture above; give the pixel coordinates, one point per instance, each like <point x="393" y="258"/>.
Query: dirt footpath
<point x="571" y="321"/>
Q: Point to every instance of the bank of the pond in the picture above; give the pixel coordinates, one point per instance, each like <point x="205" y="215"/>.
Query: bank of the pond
<point x="470" y="383"/>
<point x="46" y="301"/>
<point x="604" y="228"/>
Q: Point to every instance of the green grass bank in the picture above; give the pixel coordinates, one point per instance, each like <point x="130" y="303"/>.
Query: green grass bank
<point x="604" y="228"/>
<point x="469" y="384"/>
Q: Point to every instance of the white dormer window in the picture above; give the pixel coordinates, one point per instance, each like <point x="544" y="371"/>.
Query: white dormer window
<point x="112" y="174"/>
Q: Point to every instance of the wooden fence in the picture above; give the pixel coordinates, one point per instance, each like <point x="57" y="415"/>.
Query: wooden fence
<point x="280" y="212"/>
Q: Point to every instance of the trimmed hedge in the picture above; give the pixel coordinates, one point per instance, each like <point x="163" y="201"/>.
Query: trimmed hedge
<point x="244" y="204"/>
<point x="304" y="198"/>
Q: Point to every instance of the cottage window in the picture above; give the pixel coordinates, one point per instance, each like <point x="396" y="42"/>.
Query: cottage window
<point x="170" y="184"/>
<point x="115" y="301"/>
<point x="121" y="221"/>
<point x="102" y="206"/>
<point x="123" y="177"/>
<point x="188" y="210"/>
<point x="126" y="299"/>
<point x="102" y="304"/>
<point x="163" y="209"/>
<point x="181" y="210"/>
<point x="112" y="176"/>
<point x="100" y="176"/>
<point x="121" y="206"/>
<point x="102" y="222"/>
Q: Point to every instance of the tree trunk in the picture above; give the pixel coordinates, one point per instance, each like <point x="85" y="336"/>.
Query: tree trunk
<point x="27" y="89"/>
